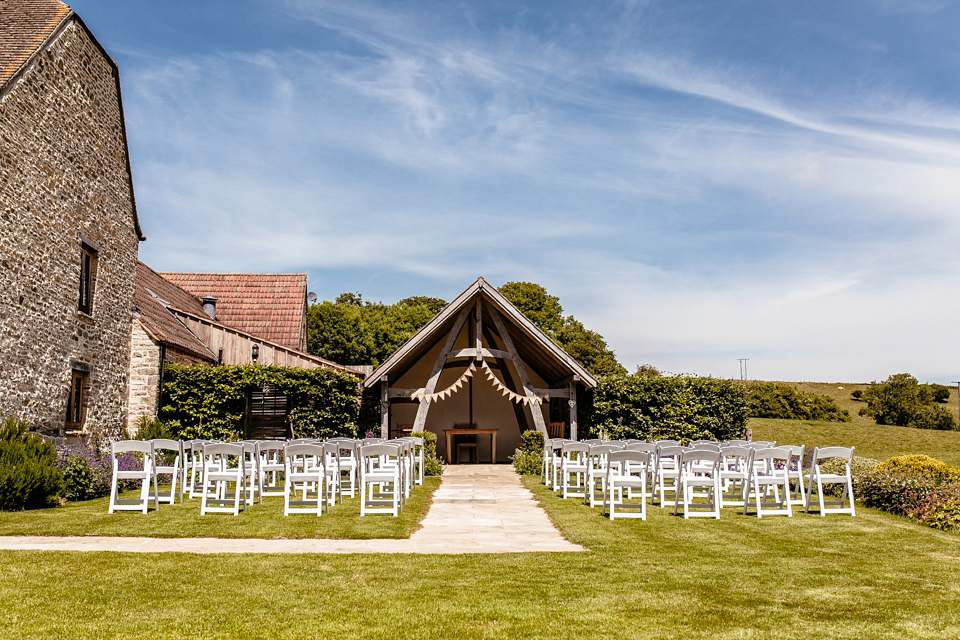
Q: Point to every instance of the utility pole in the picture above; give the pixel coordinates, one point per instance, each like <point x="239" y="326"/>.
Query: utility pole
<point x="743" y="370"/>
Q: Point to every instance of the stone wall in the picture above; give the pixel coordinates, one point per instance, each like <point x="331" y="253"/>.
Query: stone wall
<point x="144" y="376"/>
<point x="63" y="180"/>
<point x="145" y="373"/>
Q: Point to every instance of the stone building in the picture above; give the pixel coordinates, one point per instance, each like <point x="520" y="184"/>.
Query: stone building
<point x="68" y="225"/>
<point x="234" y="318"/>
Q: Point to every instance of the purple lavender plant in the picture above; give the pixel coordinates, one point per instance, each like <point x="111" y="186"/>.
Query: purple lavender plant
<point x="87" y="474"/>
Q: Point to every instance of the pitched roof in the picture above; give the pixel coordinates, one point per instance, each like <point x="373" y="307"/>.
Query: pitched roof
<point x="28" y="27"/>
<point x="152" y="296"/>
<point x="270" y="305"/>
<point x="533" y="346"/>
<point x="25" y="25"/>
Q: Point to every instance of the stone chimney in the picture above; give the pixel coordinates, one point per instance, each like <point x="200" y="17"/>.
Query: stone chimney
<point x="210" y="306"/>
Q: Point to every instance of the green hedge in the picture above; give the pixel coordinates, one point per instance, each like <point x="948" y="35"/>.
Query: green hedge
<point x="209" y="402"/>
<point x="651" y="407"/>
<point x="432" y="465"/>
<point x="786" y="402"/>
<point x="528" y="459"/>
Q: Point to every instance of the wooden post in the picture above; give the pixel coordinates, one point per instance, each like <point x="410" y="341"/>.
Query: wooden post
<point x="573" y="410"/>
<point x="431" y="386"/>
<point x="384" y="408"/>
<point x="535" y="409"/>
<point x="479" y="332"/>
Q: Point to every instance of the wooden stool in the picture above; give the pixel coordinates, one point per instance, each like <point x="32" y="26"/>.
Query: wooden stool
<point x="469" y="446"/>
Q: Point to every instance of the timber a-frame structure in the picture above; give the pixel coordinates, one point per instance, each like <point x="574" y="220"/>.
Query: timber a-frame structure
<point x="480" y="363"/>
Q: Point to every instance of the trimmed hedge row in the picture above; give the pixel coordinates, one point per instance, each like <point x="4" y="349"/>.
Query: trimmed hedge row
<point x="658" y="407"/>
<point x="209" y="402"/>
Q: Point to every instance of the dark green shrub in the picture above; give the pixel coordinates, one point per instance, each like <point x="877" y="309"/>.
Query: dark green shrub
<point x="932" y="416"/>
<point x="940" y="392"/>
<point x="528" y="459"/>
<point x="29" y="477"/>
<point x="153" y="429"/>
<point x="432" y="466"/>
<point x="88" y="474"/>
<point x="786" y="402"/>
<point x="902" y="401"/>
<point x="209" y="402"/>
<point x="649" y="407"/>
<point x="857" y="394"/>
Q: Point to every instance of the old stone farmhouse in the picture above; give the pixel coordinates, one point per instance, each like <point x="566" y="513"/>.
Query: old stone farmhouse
<point x="214" y="318"/>
<point x="68" y="224"/>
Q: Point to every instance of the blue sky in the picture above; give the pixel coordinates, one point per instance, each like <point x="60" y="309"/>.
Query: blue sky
<point x="697" y="181"/>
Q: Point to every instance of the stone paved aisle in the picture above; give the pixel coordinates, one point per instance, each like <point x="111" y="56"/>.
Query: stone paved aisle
<point x="476" y="509"/>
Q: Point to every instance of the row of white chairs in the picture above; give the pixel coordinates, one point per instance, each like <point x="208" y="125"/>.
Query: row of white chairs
<point x="702" y="477"/>
<point x="310" y="474"/>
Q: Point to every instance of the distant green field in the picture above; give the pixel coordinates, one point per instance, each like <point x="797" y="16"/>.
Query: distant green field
<point x="871" y="440"/>
<point x="840" y="392"/>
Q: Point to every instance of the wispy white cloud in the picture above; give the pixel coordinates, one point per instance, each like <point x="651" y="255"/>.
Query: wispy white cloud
<point x="685" y="208"/>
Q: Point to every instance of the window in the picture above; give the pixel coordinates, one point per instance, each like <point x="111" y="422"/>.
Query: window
<point x="88" y="263"/>
<point x="75" y="413"/>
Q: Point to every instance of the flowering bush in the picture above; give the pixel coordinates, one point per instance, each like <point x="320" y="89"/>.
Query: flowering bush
<point x="87" y="474"/>
<point x="897" y="493"/>
<point x="921" y="466"/>
<point x="939" y="509"/>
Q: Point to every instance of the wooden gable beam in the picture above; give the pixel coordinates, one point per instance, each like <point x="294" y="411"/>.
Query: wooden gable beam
<point x="521" y="369"/>
<point x="431" y="386"/>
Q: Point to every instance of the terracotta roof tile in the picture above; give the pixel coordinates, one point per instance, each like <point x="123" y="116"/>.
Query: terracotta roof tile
<point x="151" y="297"/>
<point x="270" y="305"/>
<point x="24" y="26"/>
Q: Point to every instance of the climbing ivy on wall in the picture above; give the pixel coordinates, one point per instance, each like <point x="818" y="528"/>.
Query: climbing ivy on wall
<point x="209" y="402"/>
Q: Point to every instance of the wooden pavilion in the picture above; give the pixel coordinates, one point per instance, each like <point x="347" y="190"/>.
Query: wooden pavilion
<point x="478" y="375"/>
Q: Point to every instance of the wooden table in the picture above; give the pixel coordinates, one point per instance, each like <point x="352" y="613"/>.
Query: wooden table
<point x="469" y="432"/>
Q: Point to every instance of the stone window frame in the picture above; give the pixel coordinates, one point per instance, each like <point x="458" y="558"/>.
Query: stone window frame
<point x="76" y="405"/>
<point x="89" y="259"/>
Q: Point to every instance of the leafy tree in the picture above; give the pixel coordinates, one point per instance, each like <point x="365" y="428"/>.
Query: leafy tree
<point x="786" y="402"/>
<point x="433" y="305"/>
<point x="533" y="301"/>
<point x="901" y="400"/>
<point x="353" y="331"/>
<point x="587" y="347"/>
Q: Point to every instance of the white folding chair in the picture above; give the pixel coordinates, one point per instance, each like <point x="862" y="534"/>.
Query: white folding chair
<point x="145" y="474"/>
<point x="818" y="477"/>
<point x="795" y="472"/>
<point x="380" y="482"/>
<point x="573" y="469"/>
<point x="197" y="462"/>
<point x="349" y="467"/>
<point x="417" y="457"/>
<point x="668" y="472"/>
<point x="163" y="451"/>
<point x="271" y="465"/>
<point x="251" y="469"/>
<point x="770" y="483"/>
<point x="699" y="478"/>
<point x="627" y="469"/>
<point x="304" y="466"/>
<point x="736" y="463"/>
<point x="596" y="483"/>
<point x="223" y="466"/>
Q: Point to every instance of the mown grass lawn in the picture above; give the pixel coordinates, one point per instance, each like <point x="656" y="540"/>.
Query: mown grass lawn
<point x="873" y="576"/>
<point x="871" y="440"/>
<point x="183" y="520"/>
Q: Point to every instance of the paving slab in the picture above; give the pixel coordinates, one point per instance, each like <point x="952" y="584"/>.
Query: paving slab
<point x="476" y="509"/>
